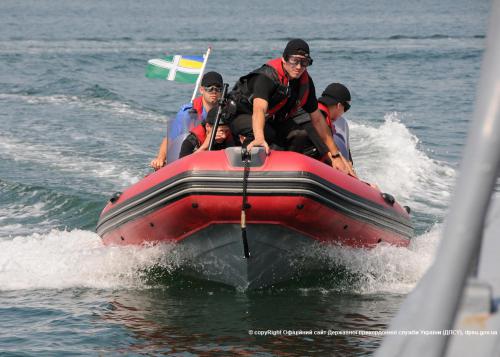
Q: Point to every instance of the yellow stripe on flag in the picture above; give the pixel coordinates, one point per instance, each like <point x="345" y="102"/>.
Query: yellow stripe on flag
<point x="186" y="63"/>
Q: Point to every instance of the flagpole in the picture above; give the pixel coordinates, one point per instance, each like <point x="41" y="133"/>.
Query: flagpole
<point x="198" y="81"/>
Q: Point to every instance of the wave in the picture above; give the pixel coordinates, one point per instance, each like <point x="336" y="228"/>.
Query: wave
<point x="385" y="38"/>
<point x="69" y="85"/>
<point x="96" y="91"/>
<point x="193" y="39"/>
<point x="129" y="39"/>
<point x="383" y="269"/>
<point x="142" y="47"/>
<point x="390" y="156"/>
<point x="157" y="44"/>
<point x="426" y="37"/>
<point x="104" y="39"/>
<point x="69" y="259"/>
<point x="63" y="160"/>
<point x="26" y="209"/>
<point x="87" y="46"/>
<point x="94" y="98"/>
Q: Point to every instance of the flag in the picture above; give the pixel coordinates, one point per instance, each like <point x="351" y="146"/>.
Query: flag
<point x="184" y="69"/>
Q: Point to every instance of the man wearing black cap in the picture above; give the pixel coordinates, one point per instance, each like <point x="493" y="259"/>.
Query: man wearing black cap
<point x="199" y="137"/>
<point x="333" y="103"/>
<point x="268" y="97"/>
<point x="188" y="117"/>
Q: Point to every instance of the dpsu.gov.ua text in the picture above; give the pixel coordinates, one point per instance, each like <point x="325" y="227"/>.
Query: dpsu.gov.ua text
<point x="300" y="332"/>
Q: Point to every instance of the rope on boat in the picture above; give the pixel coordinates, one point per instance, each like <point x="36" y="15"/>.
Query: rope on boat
<point x="245" y="156"/>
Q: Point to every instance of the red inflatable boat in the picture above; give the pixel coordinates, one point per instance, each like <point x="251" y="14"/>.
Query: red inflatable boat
<point x="292" y="202"/>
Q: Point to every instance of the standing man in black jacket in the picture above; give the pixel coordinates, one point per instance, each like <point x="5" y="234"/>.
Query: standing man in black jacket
<point x="268" y="97"/>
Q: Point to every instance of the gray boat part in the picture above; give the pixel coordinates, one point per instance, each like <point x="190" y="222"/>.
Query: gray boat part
<point x="443" y="297"/>
<point x="215" y="253"/>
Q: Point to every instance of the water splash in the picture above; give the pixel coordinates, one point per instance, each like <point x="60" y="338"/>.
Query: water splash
<point x="383" y="269"/>
<point x="389" y="155"/>
<point x="67" y="259"/>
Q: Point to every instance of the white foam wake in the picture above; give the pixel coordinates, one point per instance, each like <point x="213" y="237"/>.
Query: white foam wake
<point x="383" y="269"/>
<point x="67" y="259"/>
<point x="390" y="156"/>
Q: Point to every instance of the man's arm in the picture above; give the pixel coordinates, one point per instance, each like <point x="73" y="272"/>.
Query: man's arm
<point x="159" y="162"/>
<point x="258" y="123"/>
<point x="325" y="134"/>
<point x="175" y="127"/>
<point x="204" y="145"/>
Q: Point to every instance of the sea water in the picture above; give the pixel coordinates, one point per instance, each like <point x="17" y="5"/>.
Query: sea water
<point x="79" y="121"/>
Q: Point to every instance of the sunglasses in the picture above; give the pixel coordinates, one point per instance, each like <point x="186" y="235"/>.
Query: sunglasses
<point x="304" y="62"/>
<point x="213" y="89"/>
<point x="346" y="106"/>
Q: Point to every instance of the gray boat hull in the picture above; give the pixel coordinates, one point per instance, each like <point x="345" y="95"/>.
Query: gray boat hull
<point x="215" y="253"/>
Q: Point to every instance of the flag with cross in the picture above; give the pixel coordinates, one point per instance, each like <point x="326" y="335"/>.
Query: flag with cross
<point x="185" y="69"/>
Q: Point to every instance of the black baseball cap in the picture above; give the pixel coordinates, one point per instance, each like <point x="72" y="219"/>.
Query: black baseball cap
<point x="211" y="79"/>
<point x="335" y="93"/>
<point x="296" y="46"/>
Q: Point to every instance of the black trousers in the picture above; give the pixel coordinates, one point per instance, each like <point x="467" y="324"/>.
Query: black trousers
<point x="279" y="134"/>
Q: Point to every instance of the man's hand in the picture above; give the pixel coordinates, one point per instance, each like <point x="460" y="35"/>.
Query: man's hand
<point x="340" y="163"/>
<point x="204" y="146"/>
<point x="157" y="163"/>
<point x="258" y="142"/>
<point x="258" y="123"/>
<point x="325" y="133"/>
